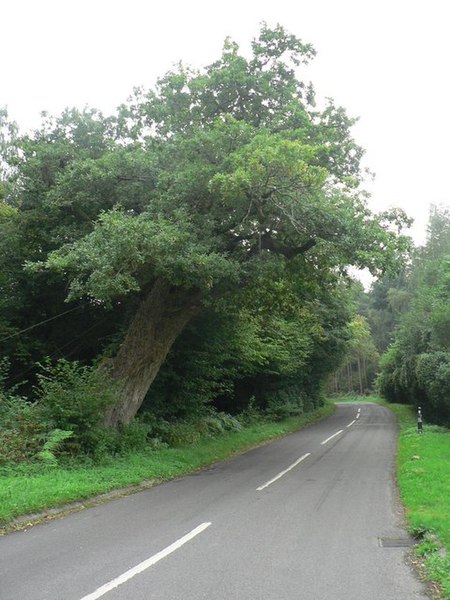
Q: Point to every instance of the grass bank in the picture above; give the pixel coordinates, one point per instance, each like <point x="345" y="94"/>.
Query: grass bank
<point x="31" y="488"/>
<point x="423" y="471"/>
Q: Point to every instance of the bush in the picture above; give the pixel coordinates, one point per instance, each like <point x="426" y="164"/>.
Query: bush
<point x="422" y="379"/>
<point x="22" y="429"/>
<point x="66" y="419"/>
<point x="52" y="446"/>
<point x="105" y="441"/>
<point x="74" y="398"/>
<point x="218" y="423"/>
<point x="433" y="376"/>
<point x="396" y="380"/>
<point x="278" y="411"/>
<point x="180" y="433"/>
<point x="289" y="399"/>
<point x="251" y="414"/>
<point x="385" y="381"/>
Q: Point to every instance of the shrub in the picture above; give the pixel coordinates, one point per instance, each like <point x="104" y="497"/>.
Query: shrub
<point x="251" y="414"/>
<point x="180" y="433"/>
<point x="134" y="436"/>
<point x="433" y="376"/>
<point x="22" y="429"/>
<point x="288" y="398"/>
<point x="396" y="380"/>
<point x="278" y="410"/>
<point x="218" y="423"/>
<point x="53" y="444"/>
<point x="385" y="381"/>
<point x="74" y="398"/>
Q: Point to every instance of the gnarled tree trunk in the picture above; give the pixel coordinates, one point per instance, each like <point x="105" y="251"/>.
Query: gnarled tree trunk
<point x="161" y="317"/>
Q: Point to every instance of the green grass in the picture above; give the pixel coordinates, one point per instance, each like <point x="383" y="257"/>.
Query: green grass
<point x="31" y="488"/>
<point x="423" y="472"/>
<point x="352" y="398"/>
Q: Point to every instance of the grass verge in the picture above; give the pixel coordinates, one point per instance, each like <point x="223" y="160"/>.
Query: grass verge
<point x="31" y="488"/>
<point x="423" y="465"/>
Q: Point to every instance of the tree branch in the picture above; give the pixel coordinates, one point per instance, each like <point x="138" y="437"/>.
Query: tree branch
<point x="267" y="243"/>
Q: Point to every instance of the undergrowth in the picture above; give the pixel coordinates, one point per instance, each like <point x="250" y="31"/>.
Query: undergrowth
<point x="36" y="485"/>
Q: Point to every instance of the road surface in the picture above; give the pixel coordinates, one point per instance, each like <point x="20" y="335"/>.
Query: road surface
<point x="313" y="516"/>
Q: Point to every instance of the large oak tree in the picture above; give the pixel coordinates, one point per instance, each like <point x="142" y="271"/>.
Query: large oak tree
<point x="189" y="189"/>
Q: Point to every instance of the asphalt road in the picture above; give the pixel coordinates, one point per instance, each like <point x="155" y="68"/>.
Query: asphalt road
<point x="308" y="517"/>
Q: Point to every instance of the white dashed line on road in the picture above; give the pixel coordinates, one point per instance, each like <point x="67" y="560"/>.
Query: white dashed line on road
<point x="261" y="487"/>
<point x="350" y="424"/>
<point x="331" y="437"/>
<point x="104" y="589"/>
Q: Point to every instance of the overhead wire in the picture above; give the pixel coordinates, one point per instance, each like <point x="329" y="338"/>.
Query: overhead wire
<point x="60" y="348"/>
<point x="8" y="337"/>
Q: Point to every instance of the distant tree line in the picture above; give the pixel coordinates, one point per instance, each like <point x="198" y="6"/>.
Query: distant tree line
<point x="360" y="361"/>
<point x="415" y="369"/>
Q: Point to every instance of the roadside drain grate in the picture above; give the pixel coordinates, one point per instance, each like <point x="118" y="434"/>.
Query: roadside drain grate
<point x="396" y="542"/>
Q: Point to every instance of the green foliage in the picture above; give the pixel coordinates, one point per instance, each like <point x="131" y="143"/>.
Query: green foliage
<point x="8" y="149"/>
<point x="433" y="376"/>
<point x="67" y="419"/>
<point x="389" y="375"/>
<point x="360" y="360"/>
<point x="105" y="442"/>
<point x="219" y="423"/>
<point x="22" y="429"/>
<point x="227" y="182"/>
<point x="73" y="398"/>
<point x="35" y="487"/>
<point x="384" y="305"/>
<point x="181" y="433"/>
<point x="131" y="246"/>
<point x="417" y="366"/>
<point x="52" y="445"/>
<point x="238" y="161"/>
<point x="272" y="344"/>
<point x="287" y="401"/>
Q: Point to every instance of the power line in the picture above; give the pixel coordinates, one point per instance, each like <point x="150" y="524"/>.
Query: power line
<point x="40" y="323"/>
<point x="59" y="350"/>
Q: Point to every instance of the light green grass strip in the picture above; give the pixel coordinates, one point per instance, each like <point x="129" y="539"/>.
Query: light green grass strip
<point x="32" y="488"/>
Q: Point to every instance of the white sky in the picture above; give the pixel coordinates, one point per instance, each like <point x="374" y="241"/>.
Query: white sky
<point x="386" y="61"/>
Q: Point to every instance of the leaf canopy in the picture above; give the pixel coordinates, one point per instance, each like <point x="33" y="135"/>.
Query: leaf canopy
<point x="201" y="179"/>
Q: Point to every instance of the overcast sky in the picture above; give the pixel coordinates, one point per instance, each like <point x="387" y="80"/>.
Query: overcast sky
<point x="386" y="62"/>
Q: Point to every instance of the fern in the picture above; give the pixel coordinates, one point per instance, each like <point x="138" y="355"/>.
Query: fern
<point x="53" y="443"/>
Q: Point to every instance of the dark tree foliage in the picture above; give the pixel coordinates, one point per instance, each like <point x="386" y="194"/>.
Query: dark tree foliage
<point x="416" y="368"/>
<point x="268" y="347"/>
<point x="359" y="367"/>
<point x="387" y="301"/>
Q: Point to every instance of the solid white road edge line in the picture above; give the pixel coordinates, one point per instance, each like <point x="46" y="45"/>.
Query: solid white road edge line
<point x="350" y="424"/>
<point x="261" y="487"/>
<point x="104" y="589"/>
<point x="332" y="436"/>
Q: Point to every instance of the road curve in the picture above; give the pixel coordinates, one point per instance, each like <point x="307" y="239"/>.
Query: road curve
<point x="311" y="516"/>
